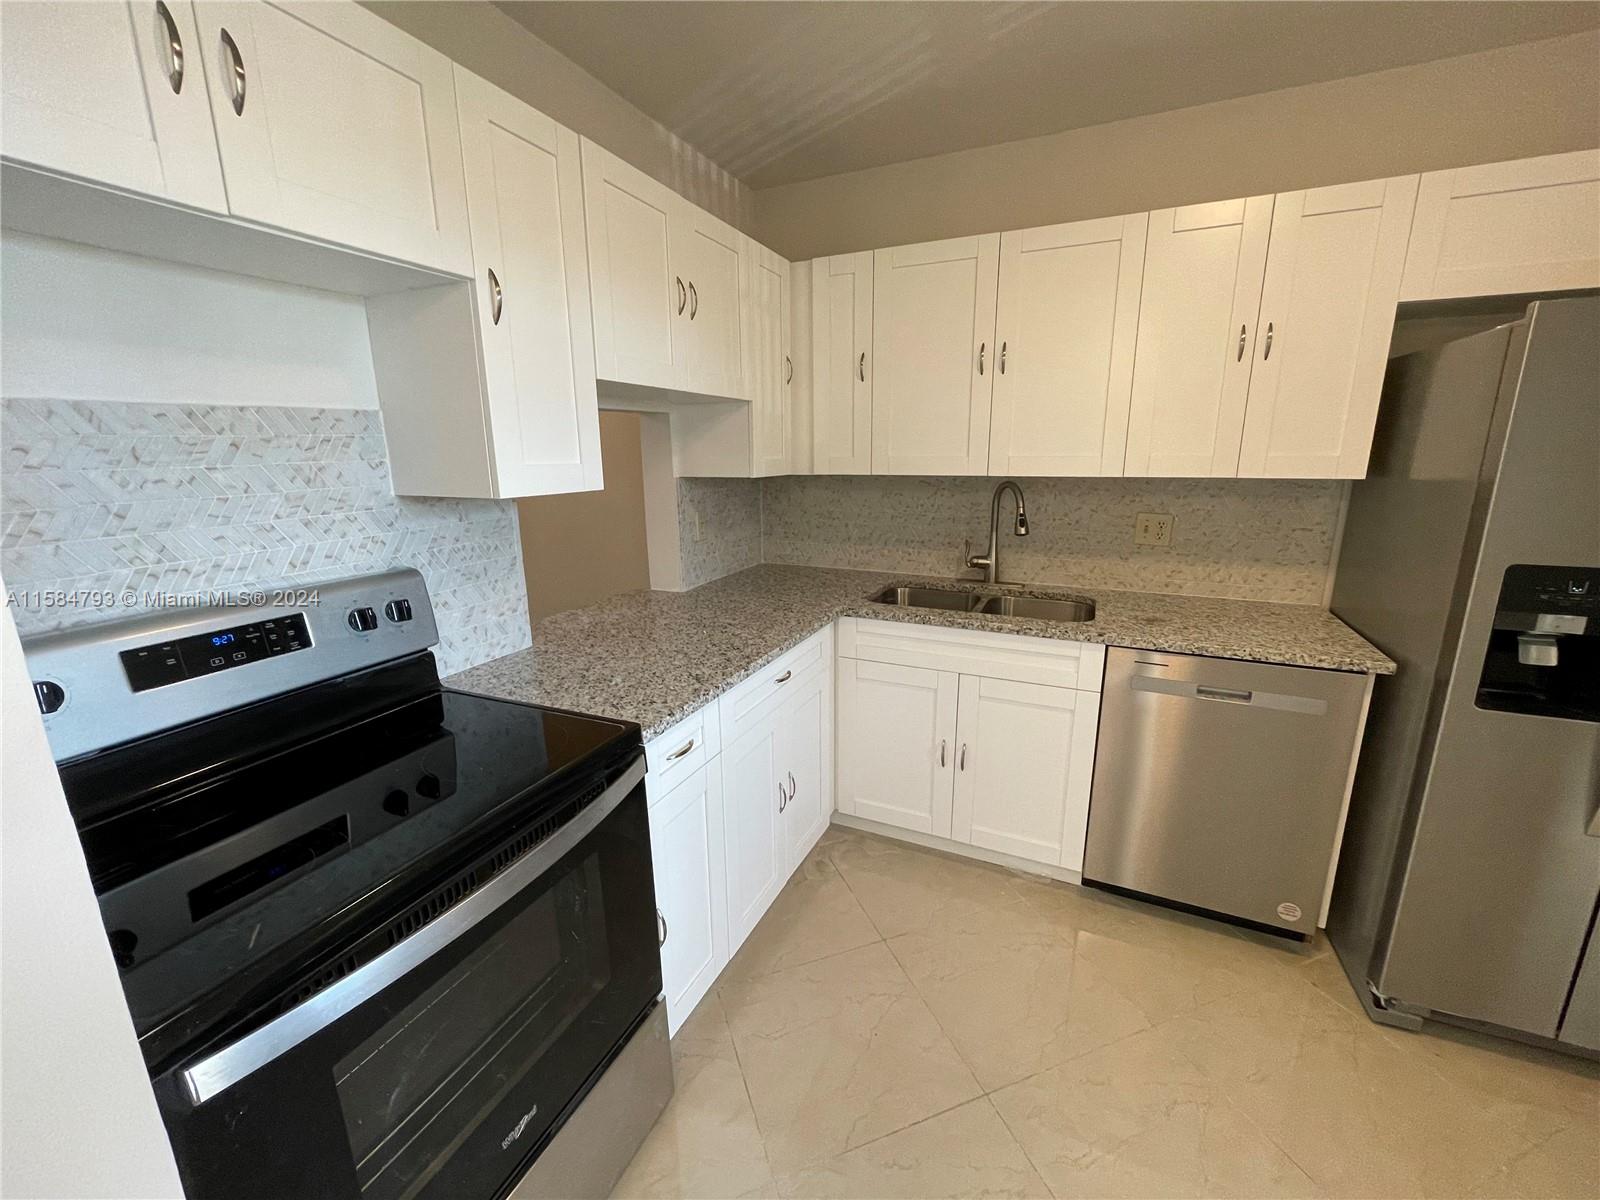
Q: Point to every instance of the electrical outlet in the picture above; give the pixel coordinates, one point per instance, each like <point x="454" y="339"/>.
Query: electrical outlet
<point x="1152" y="529"/>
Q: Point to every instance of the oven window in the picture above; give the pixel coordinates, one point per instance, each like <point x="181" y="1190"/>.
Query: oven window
<point x="414" y="1090"/>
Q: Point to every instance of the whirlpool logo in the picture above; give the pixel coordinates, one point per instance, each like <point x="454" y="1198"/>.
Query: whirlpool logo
<point x="516" y="1132"/>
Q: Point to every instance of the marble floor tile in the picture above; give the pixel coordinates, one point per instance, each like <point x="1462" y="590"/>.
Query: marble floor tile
<point x="964" y="1152"/>
<point x="1137" y="1119"/>
<point x="706" y="1144"/>
<point x="815" y="915"/>
<point x="839" y="1052"/>
<point x="1014" y="996"/>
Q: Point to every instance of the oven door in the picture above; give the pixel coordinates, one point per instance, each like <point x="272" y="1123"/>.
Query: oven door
<point x="442" y="1066"/>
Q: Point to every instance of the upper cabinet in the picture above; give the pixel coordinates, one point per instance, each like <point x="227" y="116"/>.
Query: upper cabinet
<point x="933" y="315"/>
<point x="113" y="93"/>
<point x="1202" y="287"/>
<point x="1504" y="228"/>
<point x="1068" y="316"/>
<point x="334" y="124"/>
<point x="668" y="283"/>
<point x="841" y="366"/>
<point x="1322" y="339"/>
<point x="769" y="361"/>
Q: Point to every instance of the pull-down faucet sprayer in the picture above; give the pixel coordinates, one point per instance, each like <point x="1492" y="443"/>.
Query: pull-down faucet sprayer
<point x="990" y="562"/>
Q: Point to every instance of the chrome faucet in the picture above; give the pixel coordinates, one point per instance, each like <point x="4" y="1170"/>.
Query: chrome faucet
<point x="991" y="562"/>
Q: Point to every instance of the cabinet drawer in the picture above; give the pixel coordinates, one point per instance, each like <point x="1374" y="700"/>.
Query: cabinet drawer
<point x="975" y="652"/>
<point x="749" y="702"/>
<point x="673" y="756"/>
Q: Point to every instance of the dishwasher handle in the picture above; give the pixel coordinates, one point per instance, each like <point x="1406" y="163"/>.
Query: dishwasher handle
<point x="1187" y="690"/>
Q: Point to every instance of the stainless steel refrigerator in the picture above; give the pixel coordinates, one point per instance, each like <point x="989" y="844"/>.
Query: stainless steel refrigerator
<point x="1470" y="875"/>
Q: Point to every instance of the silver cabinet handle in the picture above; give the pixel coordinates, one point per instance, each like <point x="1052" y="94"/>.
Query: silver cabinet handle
<point x="783" y="800"/>
<point x="1241" y="345"/>
<point x="861" y="367"/>
<point x="495" y="297"/>
<point x="1002" y="358"/>
<point x="661" y="929"/>
<point x="681" y="751"/>
<point x="784" y="678"/>
<point x="793" y="786"/>
<point x="788" y="370"/>
<point x="694" y="300"/>
<point x="235" y="69"/>
<point x="683" y="296"/>
<point x="1267" y="353"/>
<point x="174" y="46"/>
<point x="982" y="346"/>
<point x="941" y="751"/>
<point x="962" y="763"/>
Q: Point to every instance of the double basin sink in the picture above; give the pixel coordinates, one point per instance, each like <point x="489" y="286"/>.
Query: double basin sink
<point x="988" y="604"/>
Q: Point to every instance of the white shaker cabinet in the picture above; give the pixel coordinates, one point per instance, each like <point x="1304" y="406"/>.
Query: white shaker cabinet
<point x="1067" y="318"/>
<point x="806" y="756"/>
<point x="753" y="789"/>
<point x="1501" y="228"/>
<point x="842" y="367"/>
<point x="933" y="326"/>
<point x="709" y="254"/>
<point x="1024" y="761"/>
<point x="1197" y="326"/>
<point x="334" y="124"/>
<point x="1321" y="345"/>
<point x="769" y="361"/>
<point x="897" y="743"/>
<point x="686" y="846"/>
<point x="525" y="200"/>
<point x="111" y="92"/>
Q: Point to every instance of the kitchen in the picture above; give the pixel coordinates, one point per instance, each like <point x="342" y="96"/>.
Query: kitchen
<point x="312" y="314"/>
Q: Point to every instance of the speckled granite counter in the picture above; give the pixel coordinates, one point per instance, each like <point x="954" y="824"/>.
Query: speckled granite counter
<point x="654" y="657"/>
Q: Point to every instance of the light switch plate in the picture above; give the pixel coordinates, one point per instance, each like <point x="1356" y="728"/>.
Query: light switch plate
<point x="1152" y="529"/>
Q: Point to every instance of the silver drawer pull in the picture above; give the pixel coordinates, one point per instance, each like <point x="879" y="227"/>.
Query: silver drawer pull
<point x="941" y="751"/>
<point x="788" y="369"/>
<point x="661" y="929"/>
<point x="235" y="70"/>
<point x="962" y="761"/>
<point x="784" y="678"/>
<point x="861" y="367"/>
<point x="495" y="297"/>
<point x="1232" y="695"/>
<point x="982" y="348"/>
<point x="169" y="27"/>
<point x="681" y="751"/>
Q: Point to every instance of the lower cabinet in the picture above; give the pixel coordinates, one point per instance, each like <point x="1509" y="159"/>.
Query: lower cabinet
<point x="897" y="732"/>
<point x="686" y="846"/>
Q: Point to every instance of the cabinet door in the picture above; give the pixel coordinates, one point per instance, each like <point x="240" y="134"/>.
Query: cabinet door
<point x="933" y="341"/>
<point x="686" y="847"/>
<point x="807" y="730"/>
<point x="1327" y="310"/>
<point x="1197" y="321"/>
<point x="525" y="203"/>
<point x="769" y="372"/>
<point x="1024" y="762"/>
<point x="112" y="92"/>
<point x="709" y="255"/>
<point x="333" y="123"/>
<point x="755" y="870"/>
<point x="1501" y="228"/>
<point x="842" y="367"/>
<point x="640" y="307"/>
<point x="897" y="744"/>
<point x="1068" y="313"/>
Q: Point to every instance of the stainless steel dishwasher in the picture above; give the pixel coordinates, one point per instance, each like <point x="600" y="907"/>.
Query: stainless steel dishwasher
<point x="1218" y="784"/>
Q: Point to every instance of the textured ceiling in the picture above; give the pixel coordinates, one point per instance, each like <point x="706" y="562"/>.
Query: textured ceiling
<point x="779" y="92"/>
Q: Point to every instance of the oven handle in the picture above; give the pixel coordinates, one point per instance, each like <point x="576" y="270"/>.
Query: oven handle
<point x="220" y="1071"/>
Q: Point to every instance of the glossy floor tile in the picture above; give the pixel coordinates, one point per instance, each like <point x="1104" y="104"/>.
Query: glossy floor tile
<point x="904" y="1023"/>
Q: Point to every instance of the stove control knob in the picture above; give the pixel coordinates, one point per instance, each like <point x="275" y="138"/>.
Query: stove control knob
<point x="49" y="694"/>
<point x="398" y="610"/>
<point x="428" y="785"/>
<point x="397" y="803"/>
<point x="362" y="620"/>
<point x="123" y="942"/>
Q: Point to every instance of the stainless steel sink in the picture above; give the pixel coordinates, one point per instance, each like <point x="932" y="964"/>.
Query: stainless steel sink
<point x="1037" y="607"/>
<point x="988" y="603"/>
<point x="925" y="597"/>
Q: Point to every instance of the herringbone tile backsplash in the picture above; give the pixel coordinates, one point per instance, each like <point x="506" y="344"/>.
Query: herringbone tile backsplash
<point x="182" y="499"/>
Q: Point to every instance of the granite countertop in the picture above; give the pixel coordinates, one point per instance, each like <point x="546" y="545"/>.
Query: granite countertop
<point x="655" y="657"/>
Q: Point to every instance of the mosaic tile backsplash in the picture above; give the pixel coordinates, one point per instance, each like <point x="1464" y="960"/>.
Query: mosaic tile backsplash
<point x="1253" y="539"/>
<point x="182" y="499"/>
<point x="729" y="532"/>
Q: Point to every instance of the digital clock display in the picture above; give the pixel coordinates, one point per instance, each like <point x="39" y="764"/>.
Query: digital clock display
<point x="222" y="639"/>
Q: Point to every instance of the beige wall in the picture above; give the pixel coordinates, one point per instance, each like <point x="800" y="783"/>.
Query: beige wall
<point x="487" y="42"/>
<point x="1536" y="98"/>
<point x="583" y="547"/>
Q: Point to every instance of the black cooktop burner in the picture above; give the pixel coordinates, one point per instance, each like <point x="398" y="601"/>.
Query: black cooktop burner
<point x="241" y="849"/>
